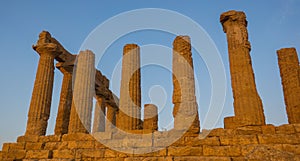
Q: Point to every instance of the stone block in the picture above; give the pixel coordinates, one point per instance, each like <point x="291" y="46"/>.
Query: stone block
<point x="89" y="153"/>
<point x="34" y="146"/>
<point x="78" y="137"/>
<point x="56" y="145"/>
<point x="108" y="153"/>
<point x="248" y="130"/>
<point x="230" y="151"/>
<point x="28" y="138"/>
<point x="102" y="135"/>
<point x="13" y="146"/>
<point x="268" y="153"/>
<point x="16" y="154"/>
<point x="191" y="141"/>
<point x="137" y="142"/>
<point x="184" y="151"/>
<point x="50" y="138"/>
<point x="64" y="154"/>
<point x="279" y="139"/>
<point x="291" y="148"/>
<point x="268" y="129"/>
<point x="221" y="132"/>
<point x="238" y="140"/>
<point x="81" y="144"/>
<point x="38" y="154"/>
<point x="285" y="129"/>
<point x="297" y="127"/>
<point x="202" y="158"/>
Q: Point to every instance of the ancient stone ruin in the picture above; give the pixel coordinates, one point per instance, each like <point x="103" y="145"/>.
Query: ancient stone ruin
<point x="117" y="131"/>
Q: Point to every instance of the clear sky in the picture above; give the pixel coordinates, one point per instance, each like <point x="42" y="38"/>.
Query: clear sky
<point x="273" y="24"/>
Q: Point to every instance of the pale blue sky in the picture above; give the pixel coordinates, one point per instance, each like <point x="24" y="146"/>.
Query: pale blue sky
<point x="273" y="24"/>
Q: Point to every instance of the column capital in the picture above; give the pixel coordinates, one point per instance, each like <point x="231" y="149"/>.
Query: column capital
<point x="50" y="49"/>
<point x="233" y="18"/>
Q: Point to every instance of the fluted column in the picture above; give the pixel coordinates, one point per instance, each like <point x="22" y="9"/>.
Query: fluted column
<point x="290" y="78"/>
<point x="130" y="93"/>
<point x="99" y="116"/>
<point x="39" y="110"/>
<point x="111" y="118"/>
<point x="248" y="106"/>
<point x="150" y="117"/>
<point x="84" y="89"/>
<point x="64" y="108"/>
<point x="184" y="99"/>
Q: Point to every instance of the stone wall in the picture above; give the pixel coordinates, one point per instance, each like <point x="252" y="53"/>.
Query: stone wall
<point x="244" y="143"/>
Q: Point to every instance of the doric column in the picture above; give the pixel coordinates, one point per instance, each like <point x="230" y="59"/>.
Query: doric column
<point x="290" y="78"/>
<point x="64" y="108"/>
<point x="130" y="93"/>
<point x="248" y="106"/>
<point x="99" y="116"/>
<point x="84" y="89"/>
<point x="111" y="117"/>
<point x="185" y="106"/>
<point x="39" y="110"/>
<point x="150" y="117"/>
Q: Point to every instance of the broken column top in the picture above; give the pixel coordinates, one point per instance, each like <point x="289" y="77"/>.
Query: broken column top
<point x="286" y="50"/>
<point x="233" y="16"/>
<point x="128" y="47"/>
<point x="182" y="39"/>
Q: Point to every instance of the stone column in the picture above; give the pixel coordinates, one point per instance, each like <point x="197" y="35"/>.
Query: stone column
<point x="185" y="110"/>
<point x="66" y="94"/>
<point x="130" y="93"/>
<point x="248" y="106"/>
<point x="99" y="116"/>
<point x="39" y="110"/>
<point x="84" y="89"/>
<point x="150" y="117"/>
<point x="290" y="78"/>
<point x="111" y="117"/>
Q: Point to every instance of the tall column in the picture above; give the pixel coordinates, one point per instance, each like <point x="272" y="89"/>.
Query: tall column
<point x="290" y="78"/>
<point x="130" y="93"/>
<point x="99" y="116"/>
<point x="150" y="117"/>
<point x="84" y="89"/>
<point x="66" y="94"/>
<point x="248" y="106"/>
<point x="39" y="110"/>
<point x="111" y="118"/>
<point x="185" y="106"/>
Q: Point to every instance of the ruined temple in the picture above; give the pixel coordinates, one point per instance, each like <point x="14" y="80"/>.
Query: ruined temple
<point x="117" y="131"/>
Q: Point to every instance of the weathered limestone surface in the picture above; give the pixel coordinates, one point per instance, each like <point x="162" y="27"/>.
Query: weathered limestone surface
<point x="129" y="117"/>
<point x="39" y="110"/>
<point x="99" y="116"/>
<point x="184" y="99"/>
<point x="150" y="117"/>
<point x="248" y="107"/>
<point x="290" y="77"/>
<point x="84" y="89"/>
<point x="66" y="94"/>
<point x="219" y="144"/>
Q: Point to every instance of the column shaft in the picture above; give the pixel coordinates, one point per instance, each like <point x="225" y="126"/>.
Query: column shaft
<point x="150" y="117"/>
<point x="39" y="110"/>
<point x="65" y="103"/>
<point x="290" y="78"/>
<point x="248" y="106"/>
<point x="185" y="106"/>
<point x="130" y="97"/>
<point x="99" y="116"/>
<point x="84" y="89"/>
